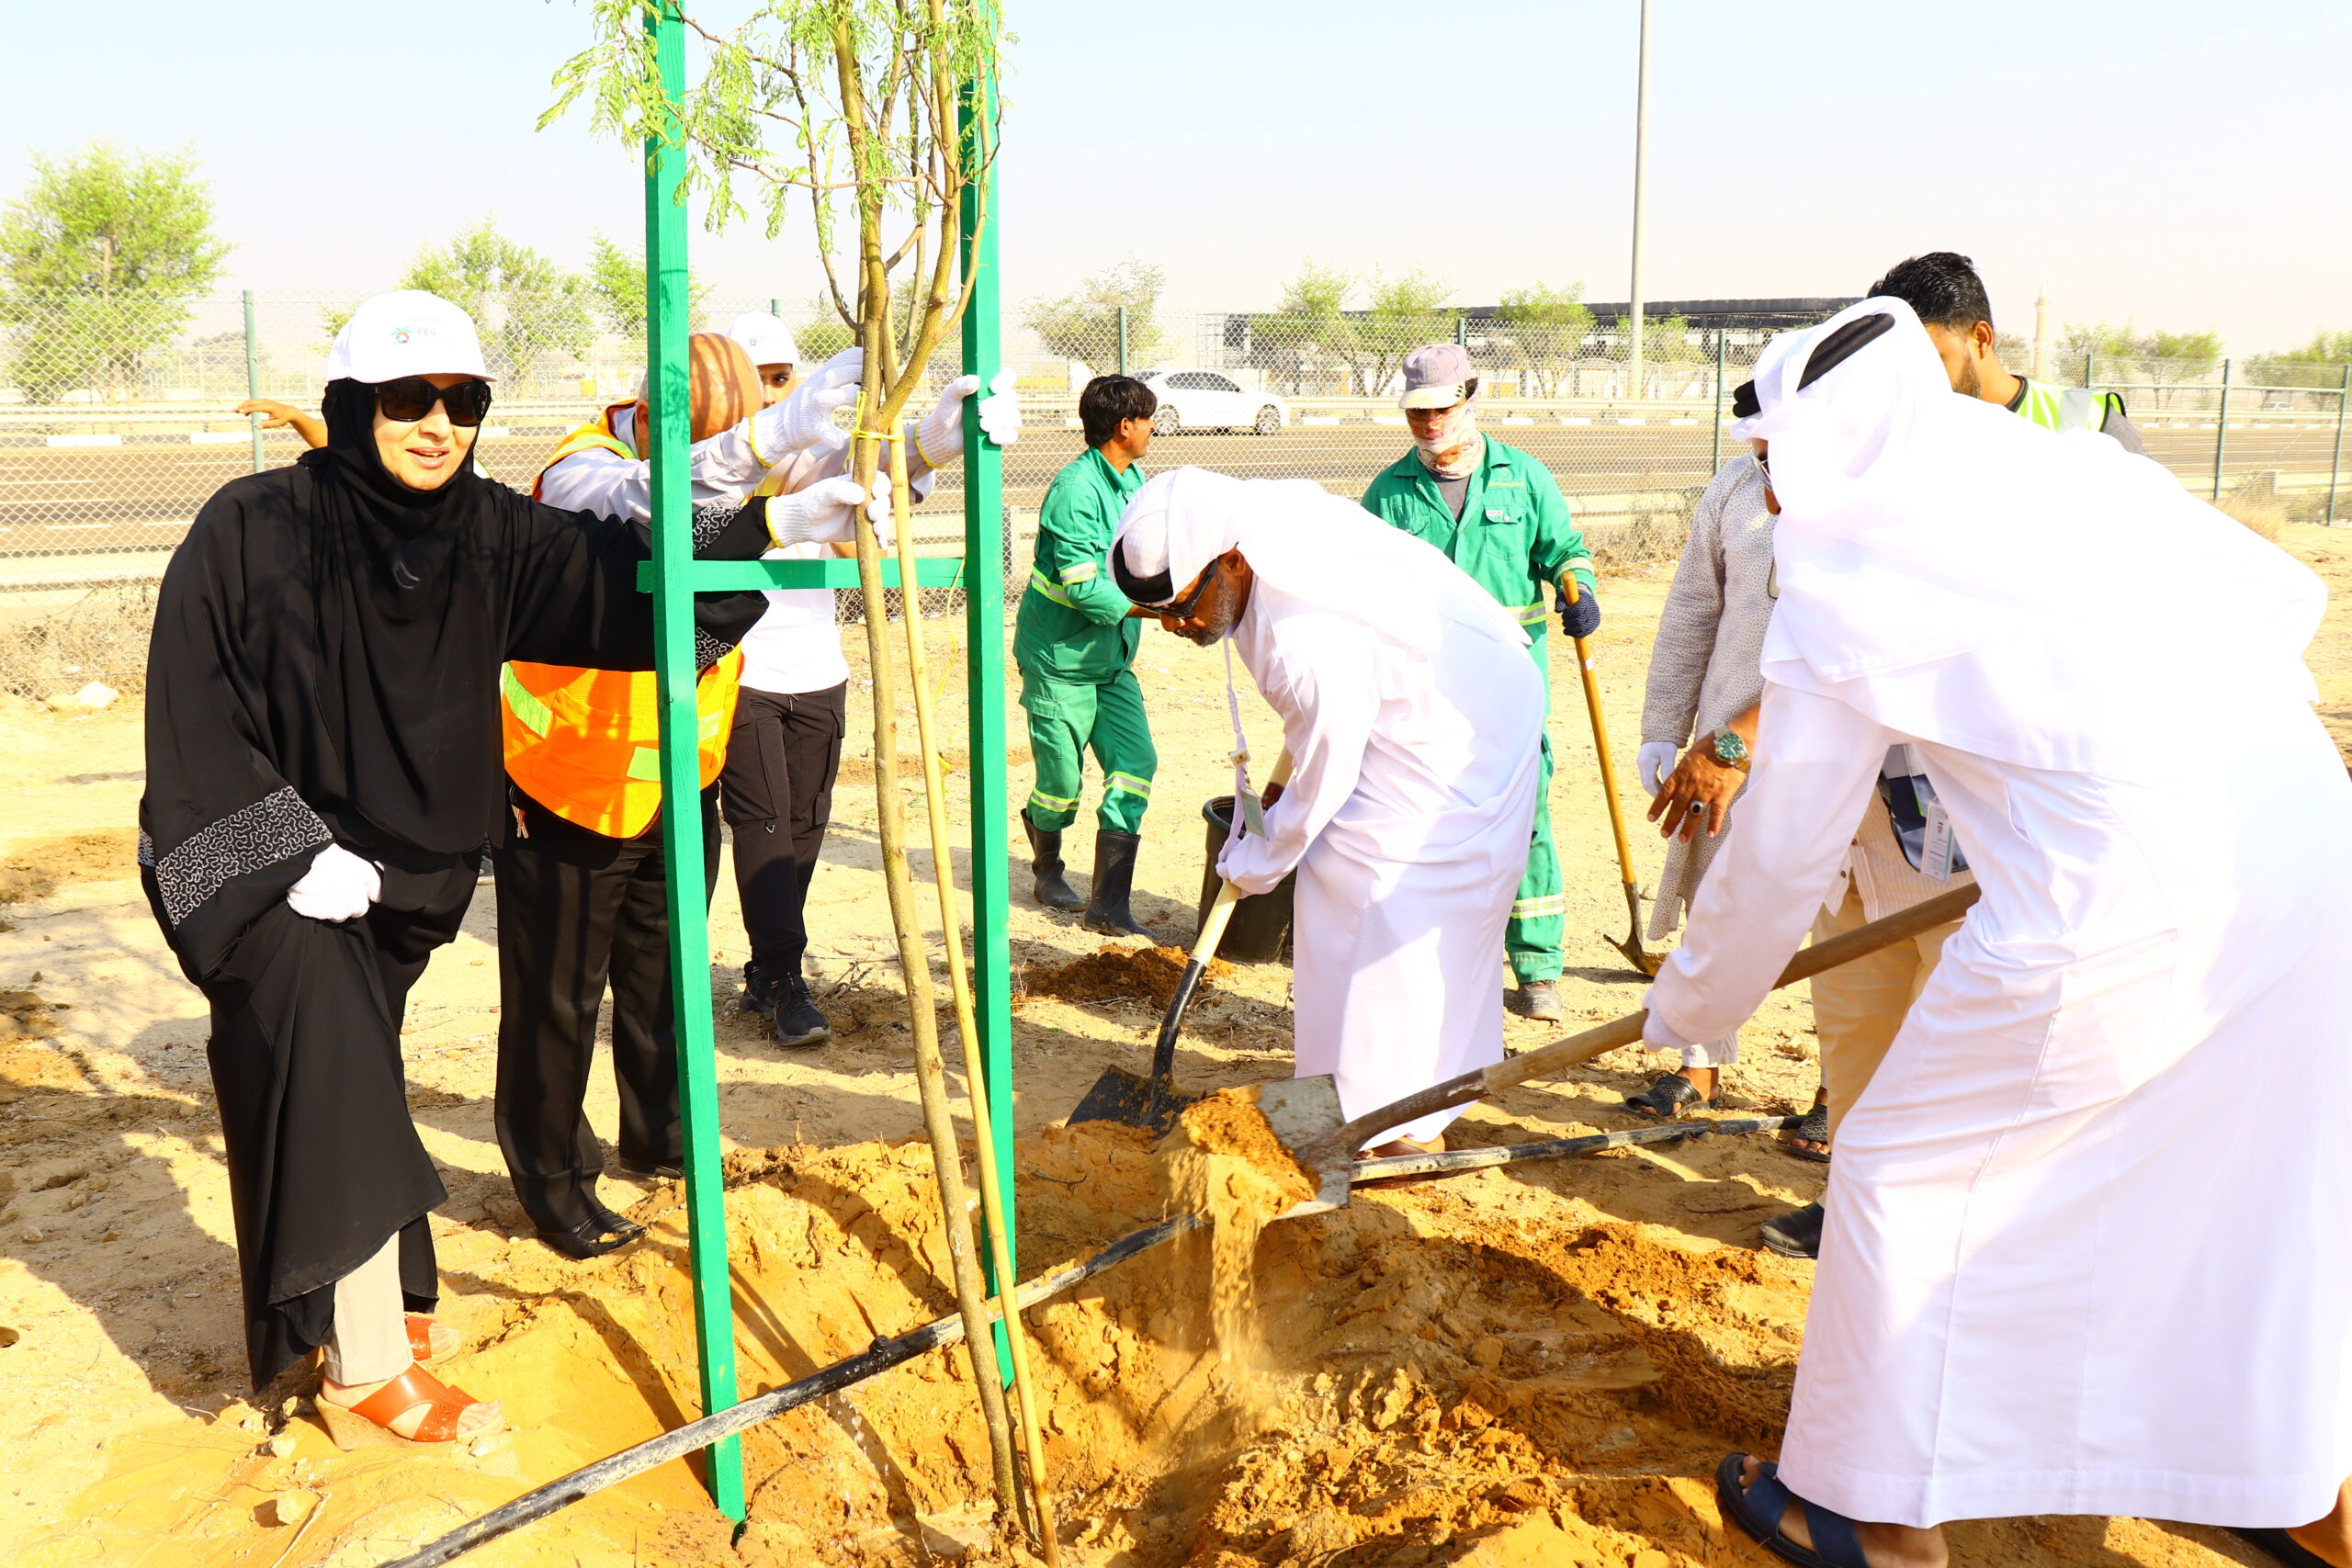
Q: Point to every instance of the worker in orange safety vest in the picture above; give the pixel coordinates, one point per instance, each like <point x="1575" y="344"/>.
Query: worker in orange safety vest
<point x="583" y="895"/>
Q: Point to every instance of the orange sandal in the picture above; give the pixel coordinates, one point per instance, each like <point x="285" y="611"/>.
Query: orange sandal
<point x="371" y="1420"/>
<point x="419" y="1340"/>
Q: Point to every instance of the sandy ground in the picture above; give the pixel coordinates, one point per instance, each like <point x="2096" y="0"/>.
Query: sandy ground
<point x="1513" y="1367"/>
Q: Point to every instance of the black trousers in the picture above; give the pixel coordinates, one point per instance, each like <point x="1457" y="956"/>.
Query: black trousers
<point x="777" y="791"/>
<point x="324" y="1163"/>
<point x="578" y="911"/>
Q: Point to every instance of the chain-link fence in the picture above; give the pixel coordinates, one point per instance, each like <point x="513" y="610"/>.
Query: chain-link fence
<point x="116" y="422"/>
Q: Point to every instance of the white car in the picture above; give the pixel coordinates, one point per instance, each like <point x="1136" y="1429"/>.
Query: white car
<point x="1210" y="399"/>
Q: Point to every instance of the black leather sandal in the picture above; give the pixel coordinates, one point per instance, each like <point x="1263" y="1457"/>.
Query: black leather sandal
<point x="1813" y="1129"/>
<point x="1665" y="1099"/>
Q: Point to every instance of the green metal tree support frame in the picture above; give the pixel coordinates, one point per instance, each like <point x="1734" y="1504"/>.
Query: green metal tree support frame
<point x="673" y="577"/>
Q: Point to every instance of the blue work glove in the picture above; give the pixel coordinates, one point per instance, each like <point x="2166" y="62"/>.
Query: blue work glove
<point x="1583" y="617"/>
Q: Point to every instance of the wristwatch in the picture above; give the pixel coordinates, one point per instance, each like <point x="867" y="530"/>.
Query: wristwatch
<point x="1730" y="750"/>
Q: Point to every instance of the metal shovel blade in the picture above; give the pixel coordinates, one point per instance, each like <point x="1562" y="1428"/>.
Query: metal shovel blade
<point x="1636" y="954"/>
<point x="1125" y="1097"/>
<point x="1304" y="1115"/>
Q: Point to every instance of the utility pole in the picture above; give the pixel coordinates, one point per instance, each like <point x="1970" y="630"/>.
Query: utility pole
<point x="1641" y="154"/>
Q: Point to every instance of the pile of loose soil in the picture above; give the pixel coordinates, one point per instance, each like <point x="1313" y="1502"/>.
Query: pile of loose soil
<point x="1120" y="973"/>
<point x="35" y="871"/>
<point x="27" y="1015"/>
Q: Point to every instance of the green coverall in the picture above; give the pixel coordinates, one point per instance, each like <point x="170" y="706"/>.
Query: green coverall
<point x="1515" y="538"/>
<point x="1076" y="645"/>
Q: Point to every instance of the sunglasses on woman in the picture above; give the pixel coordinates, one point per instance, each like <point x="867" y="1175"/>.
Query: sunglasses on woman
<point x="412" y="397"/>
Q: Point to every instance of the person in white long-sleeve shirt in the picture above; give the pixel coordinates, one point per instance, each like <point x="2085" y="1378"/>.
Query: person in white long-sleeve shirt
<point x="1413" y="719"/>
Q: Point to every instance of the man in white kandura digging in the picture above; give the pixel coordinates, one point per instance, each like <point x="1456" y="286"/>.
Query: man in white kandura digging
<point x="2084" y="1254"/>
<point x="1413" y="716"/>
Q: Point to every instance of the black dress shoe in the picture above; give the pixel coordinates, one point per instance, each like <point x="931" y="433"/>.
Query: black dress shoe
<point x="647" y="1171"/>
<point x="621" y="1226"/>
<point x="589" y="1239"/>
<point x="1796" y="1234"/>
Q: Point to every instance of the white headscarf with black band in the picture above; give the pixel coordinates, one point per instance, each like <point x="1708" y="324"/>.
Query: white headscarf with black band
<point x="1967" y="577"/>
<point x="1320" y="549"/>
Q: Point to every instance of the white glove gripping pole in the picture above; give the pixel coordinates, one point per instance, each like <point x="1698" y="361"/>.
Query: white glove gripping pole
<point x="939" y="439"/>
<point x="805" y="420"/>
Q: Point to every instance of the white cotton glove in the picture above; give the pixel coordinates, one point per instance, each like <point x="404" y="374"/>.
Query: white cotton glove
<point x="803" y="421"/>
<point x="1654" y="761"/>
<point x="824" y="512"/>
<point x="338" y="886"/>
<point x="940" y="438"/>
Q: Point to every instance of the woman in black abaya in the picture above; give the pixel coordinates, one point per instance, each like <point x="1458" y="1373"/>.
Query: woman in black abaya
<point x="323" y="773"/>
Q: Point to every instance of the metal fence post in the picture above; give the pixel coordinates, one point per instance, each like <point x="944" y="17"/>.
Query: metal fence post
<point x="253" y="377"/>
<point x="1123" y="340"/>
<point x="775" y="306"/>
<point x="1462" y="331"/>
<point x="2335" y="459"/>
<point x="2221" y="432"/>
<point x="2090" y="359"/>
<point x="1716" y="453"/>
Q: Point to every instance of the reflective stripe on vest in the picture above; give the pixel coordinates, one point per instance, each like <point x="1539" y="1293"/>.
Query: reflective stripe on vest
<point x="2063" y="408"/>
<point x="596" y="435"/>
<point x="586" y="743"/>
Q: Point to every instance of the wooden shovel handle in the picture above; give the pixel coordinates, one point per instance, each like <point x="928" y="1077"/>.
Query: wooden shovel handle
<point x="1900" y="926"/>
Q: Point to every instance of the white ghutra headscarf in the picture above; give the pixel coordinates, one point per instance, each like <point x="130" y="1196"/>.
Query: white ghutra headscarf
<point x="1315" y="547"/>
<point x="1967" y="577"/>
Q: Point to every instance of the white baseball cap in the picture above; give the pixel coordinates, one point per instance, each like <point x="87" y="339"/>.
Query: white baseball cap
<point x="765" y="338"/>
<point x="406" y="333"/>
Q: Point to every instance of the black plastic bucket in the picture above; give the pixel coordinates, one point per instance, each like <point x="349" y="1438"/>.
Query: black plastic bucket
<point x="1259" y="932"/>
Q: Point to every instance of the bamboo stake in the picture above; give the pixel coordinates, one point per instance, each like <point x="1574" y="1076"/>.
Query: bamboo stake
<point x="967" y="1026"/>
<point x="914" y="963"/>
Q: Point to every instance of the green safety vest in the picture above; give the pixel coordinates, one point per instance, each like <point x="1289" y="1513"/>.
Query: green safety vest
<point x="1515" y="537"/>
<point x="2066" y="408"/>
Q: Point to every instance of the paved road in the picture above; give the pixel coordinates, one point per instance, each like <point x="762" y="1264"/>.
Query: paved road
<point x="135" y="499"/>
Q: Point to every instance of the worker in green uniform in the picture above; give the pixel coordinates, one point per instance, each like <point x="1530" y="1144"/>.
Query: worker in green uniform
<point x="1075" y="642"/>
<point x="1497" y="515"/>
<point x="1944" y="291"/>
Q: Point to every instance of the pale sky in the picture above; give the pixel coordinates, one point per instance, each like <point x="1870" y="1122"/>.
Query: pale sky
<point x="2180" y="164"/>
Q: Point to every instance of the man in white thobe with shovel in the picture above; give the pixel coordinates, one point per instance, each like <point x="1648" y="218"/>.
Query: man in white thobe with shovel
<point x="2085" y="1253"/>
<point x="1413" y="716"/>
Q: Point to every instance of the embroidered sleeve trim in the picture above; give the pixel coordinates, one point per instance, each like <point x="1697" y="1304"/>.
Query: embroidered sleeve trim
<point x="249" y="839"/>
<point x="711" y="519"/>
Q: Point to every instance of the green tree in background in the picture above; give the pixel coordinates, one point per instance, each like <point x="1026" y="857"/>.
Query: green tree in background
<point x="102" y="251"/>
<point x="2115" y="354"/>
<point x="2168" y="358"/>
<point x="1544" y="327"/>
<point x="2319" y="363"/>
<point x="1401" y="314"/>
<point x="822" y="338"/>
<point x="1308" y="336"/>
<point x="617" y="281"/>
<point x="1084" y="325"/>
<point x="532" y="314"/>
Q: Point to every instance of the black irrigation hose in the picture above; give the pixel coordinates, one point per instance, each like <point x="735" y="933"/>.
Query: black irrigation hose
<point x="884" y="1354"/>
